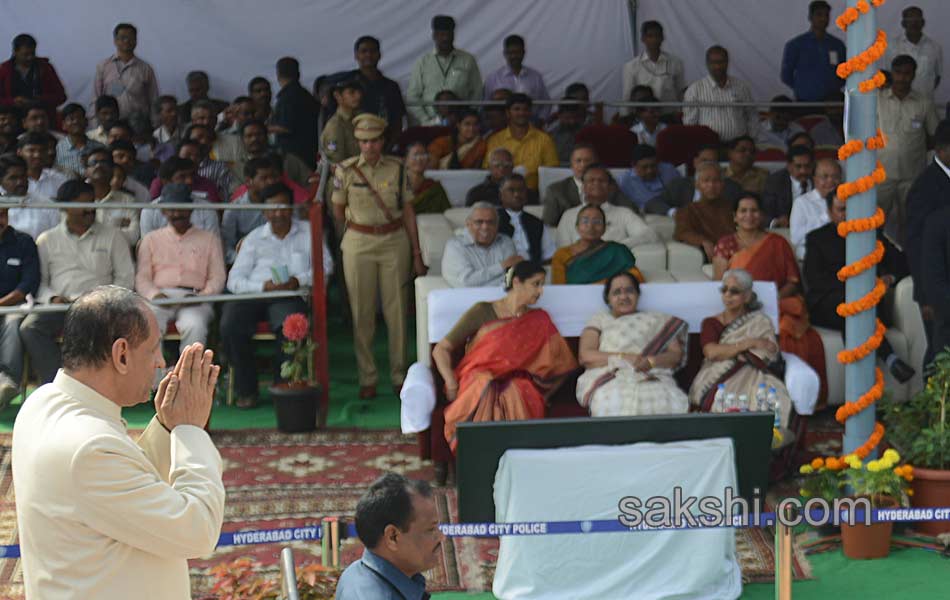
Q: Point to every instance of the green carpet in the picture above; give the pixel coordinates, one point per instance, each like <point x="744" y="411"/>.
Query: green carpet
<point x="345" y="408"/>
<point x="905" y="574"/>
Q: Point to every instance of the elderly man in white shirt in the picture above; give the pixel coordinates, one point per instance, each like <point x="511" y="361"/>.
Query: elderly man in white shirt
<point x="153" y="219"/>
<point x="273" y="257"/>
<point x="479" y="256"/>
<point x="623" y="225"/>
<point x="925" y="50"/>
<point x="102" y="515"/>
<point x="810" y="210"/>
<point x="13" y="183"/>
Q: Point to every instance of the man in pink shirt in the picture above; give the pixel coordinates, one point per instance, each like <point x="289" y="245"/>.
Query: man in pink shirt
<point x="179" y="261"/>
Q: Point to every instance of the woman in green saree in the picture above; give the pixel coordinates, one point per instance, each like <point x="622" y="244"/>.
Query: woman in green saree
<point x="590" y="259"/>
<point x="428" y="195"/>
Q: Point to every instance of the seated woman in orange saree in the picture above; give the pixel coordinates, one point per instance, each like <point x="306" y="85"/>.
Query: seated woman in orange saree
<point x="769" y="257"/>
<point x="514" y="361"/>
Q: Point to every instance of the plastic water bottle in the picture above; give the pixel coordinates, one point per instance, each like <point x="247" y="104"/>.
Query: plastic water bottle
<point x="776" y="408"/>
<point x="761" y="398"/>
<point x="719" y="398"/>
<point x="743" y="403"/>
<point x="731" y="403"/>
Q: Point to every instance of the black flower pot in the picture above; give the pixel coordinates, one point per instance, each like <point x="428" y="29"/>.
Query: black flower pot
<point x="296" y="407"/>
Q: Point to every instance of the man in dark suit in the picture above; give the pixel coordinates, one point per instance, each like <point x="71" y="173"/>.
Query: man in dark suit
<point x="936" y="247"/>
<point x="681" y="192"/>
<point x="824" y="257"/>
<point x="528" y="232"/>
<point x="566" y="193"/>
<point x="501" y="164"/>
<point x="295" y="113"/>
<point x="782" y="187"/>
<point x="929" y="192"/>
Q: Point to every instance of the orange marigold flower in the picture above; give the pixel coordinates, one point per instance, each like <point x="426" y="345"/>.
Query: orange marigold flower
<point x="817" y="463"/>
<point x="863" y="6"/>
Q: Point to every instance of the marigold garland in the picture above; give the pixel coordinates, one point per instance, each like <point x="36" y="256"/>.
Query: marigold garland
<point x="859" y="225"/>
<point x="862" y="184"/>
<point x="857" y="64"/>
<point x="864" y="349"/>
<point x="849" y="409"/>
<point x="869" y="85"/>
<point x="862" y="61"/>
<point x="862" y="264"/>
<point x="866" y="302"/>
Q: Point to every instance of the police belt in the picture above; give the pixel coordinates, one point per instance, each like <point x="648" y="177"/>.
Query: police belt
<point x="375" y="229"/>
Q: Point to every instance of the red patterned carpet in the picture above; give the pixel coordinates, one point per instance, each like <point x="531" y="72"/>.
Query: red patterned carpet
<point x="279" y="480"/>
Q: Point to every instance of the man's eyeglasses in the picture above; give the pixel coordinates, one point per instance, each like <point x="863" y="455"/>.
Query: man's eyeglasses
<point x="590" y="221"/>
<point x="730" y="290"/>
<point x="503" y="165"/>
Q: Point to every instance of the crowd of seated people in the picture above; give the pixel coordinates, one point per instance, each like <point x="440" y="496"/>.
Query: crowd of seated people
<point x="135" y="142"/>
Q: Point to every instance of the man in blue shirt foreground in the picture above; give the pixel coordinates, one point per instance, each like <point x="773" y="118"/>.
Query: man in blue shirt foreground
<point x="397" y="522"/>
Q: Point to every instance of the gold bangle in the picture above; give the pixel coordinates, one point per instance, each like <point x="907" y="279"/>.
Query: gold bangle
<point x="652" y="362"/>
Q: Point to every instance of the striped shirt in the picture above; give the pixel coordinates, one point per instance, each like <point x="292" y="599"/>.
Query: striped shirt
<point x="220" y="174"/>
<point x="69" y="156"/>
<point x="728" y="122"/>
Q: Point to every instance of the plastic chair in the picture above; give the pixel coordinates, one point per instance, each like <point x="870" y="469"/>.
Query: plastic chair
<point x="420" y="133"/>
<point x="613" y="143"/>
<point x="678" y="144"/>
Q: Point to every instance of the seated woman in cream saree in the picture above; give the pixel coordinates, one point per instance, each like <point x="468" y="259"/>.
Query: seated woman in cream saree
<point x="630" y="357"/>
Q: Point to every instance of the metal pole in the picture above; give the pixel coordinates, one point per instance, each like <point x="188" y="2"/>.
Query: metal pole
<point x="318" y="321"/>
<point x="861" y="123"/>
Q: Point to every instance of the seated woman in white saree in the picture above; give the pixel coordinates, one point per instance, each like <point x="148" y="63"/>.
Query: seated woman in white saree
<point x="740" y="348"/>
<point x="630" y="357"/>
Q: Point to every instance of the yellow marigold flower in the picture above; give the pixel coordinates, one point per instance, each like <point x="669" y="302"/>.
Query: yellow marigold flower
<point x="817" y="463"/>
<point x="874" y="466"/>
<point x="806" y="469"/>
<point x="891" y="455"/>
<point x="803" y="493"/>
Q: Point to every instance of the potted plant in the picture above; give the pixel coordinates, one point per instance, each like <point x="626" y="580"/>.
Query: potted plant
<point x="296" y="399"/>
<point x="241" y="579"/>
<point x="882" y="482"/>
<point x="823" y="481"/>
<point x="919" y="429"/>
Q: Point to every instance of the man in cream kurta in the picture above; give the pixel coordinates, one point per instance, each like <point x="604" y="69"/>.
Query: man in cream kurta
<point x="99" y="515"/>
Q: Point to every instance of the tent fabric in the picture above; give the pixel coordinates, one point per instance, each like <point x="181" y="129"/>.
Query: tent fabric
<point x="235" y="40"/>
<point x="754" y="32"/>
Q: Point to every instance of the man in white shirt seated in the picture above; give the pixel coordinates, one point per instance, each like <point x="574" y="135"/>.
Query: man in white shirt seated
<point x="13" y="183"/>
<point x="810" y="210"/>
<point x="76" y="256"/>
<point x="153" y="218"/>
<point x="623" y="225"/>
<point x="568" y="192"/>
<point x="43" y="182"/>
<point x="479" y="255"/>
<point x="532" y="239"/>
<point x="273" y="257"/>
<point x="778" y="129"/>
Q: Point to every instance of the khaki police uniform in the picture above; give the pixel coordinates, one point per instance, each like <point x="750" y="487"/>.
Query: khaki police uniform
<point x="376" y="252"/>
<point x="338" y="141"/>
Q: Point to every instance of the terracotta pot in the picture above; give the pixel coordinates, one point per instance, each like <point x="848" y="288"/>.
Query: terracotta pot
<point x="295" y="407"/>
<point x="931" y="488"/>
<point x="868" y="541"/>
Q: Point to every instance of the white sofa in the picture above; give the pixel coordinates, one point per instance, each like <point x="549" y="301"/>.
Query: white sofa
<point x="572" y="306"/>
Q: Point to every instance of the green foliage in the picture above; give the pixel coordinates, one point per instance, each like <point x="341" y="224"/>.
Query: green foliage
<point x="919" y="427"/>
